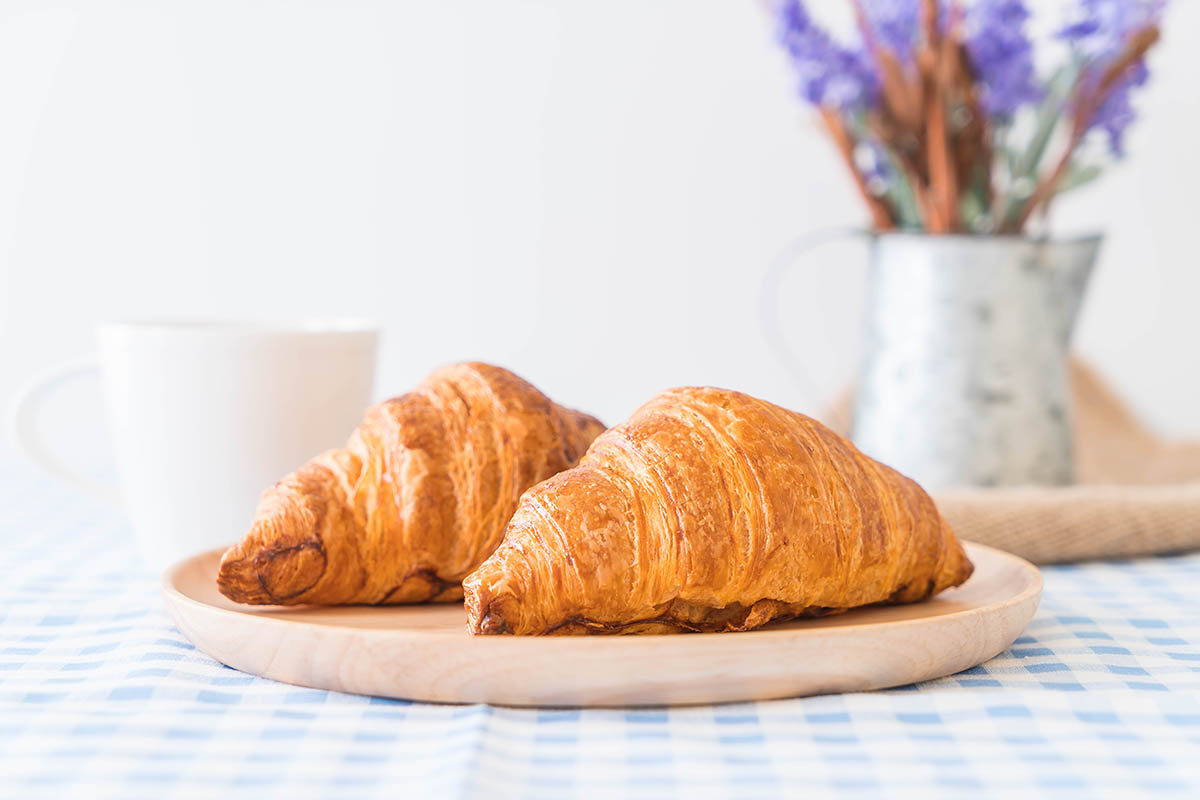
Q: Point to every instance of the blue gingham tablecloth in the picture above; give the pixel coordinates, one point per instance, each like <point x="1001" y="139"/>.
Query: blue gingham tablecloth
<point x="100" y="696"/>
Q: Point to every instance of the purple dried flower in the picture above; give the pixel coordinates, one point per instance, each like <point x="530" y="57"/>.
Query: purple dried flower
<point x="1099" y="34"/>
<point x="830" y="75"/>
<point x="1001" y="55"/>
<point x="1116" y="113"/>
<point x="882" y="111"/>
<point x="1101" y="27"/>
<point x="995" y="37"/>
<point x="872" y="163"/>
<point x="896" y="24"/>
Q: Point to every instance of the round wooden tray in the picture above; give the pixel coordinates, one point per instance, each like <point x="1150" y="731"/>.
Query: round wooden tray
<point x="425" y="652"/>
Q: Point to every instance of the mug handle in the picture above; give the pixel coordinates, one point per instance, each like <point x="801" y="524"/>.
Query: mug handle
<point x="21" y="418"/>
<point x="787" y="259"/>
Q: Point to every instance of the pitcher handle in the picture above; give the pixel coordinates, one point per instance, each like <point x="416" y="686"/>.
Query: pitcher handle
<point x="783" y="263"/>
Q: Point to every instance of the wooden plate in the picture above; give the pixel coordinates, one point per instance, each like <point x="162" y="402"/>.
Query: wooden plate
<point x="425" y="653"/>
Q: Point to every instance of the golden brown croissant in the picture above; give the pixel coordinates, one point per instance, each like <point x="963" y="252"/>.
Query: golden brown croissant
<point x="709" y="510"/>
<point x="418" y="497"/>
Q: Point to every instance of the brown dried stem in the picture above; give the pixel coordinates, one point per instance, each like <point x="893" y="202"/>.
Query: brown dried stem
<point x="1090" y="98"/>
<point x="900" y="97"/>
<point x="941" y="174"/>
<point x="881" y="215"/>
<point x="931" y="12"/>
<point x="937" y="62"/>
<point x="1135" y="50"/>
<point x="930" y="118"/>
<point x="974" y="153"/>
<point x="907" y="158"/>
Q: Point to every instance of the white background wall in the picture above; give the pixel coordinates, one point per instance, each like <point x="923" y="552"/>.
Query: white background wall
<point x="589" y="192"/>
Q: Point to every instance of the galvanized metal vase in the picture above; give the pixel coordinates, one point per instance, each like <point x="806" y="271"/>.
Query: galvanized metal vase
<point x="964" y="375"/>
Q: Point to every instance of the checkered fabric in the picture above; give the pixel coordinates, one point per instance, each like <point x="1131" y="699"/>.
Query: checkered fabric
<point x="100" y="696"/>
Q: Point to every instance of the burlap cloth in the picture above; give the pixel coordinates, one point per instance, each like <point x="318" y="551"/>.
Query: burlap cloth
<point x="1137" y="493"/>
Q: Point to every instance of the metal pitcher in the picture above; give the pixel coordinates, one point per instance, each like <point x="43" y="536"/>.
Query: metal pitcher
<point x="964" y="374"/>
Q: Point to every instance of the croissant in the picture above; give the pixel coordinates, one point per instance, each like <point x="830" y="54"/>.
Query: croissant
<point x="710" y="510"/>
<point x="418" y="497"/>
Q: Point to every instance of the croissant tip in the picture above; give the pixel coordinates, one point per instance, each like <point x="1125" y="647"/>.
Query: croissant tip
<point x="490" y="625"/>
<point x="271" y="576"/>
<point x="236" y="579"/>
<point x="966" y="571"/>
<point x="483" y="616"/>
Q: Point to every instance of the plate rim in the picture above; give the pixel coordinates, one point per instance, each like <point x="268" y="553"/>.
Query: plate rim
<point x="1033" y="589"/>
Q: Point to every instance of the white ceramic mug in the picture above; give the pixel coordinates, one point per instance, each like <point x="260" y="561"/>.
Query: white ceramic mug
<point x="204" y="416"/>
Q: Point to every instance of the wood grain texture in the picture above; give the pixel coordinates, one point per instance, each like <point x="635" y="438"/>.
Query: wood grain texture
<point x="711" y="510"/>
<point x="425" y="653"/>
<point x="417" y="498"/>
